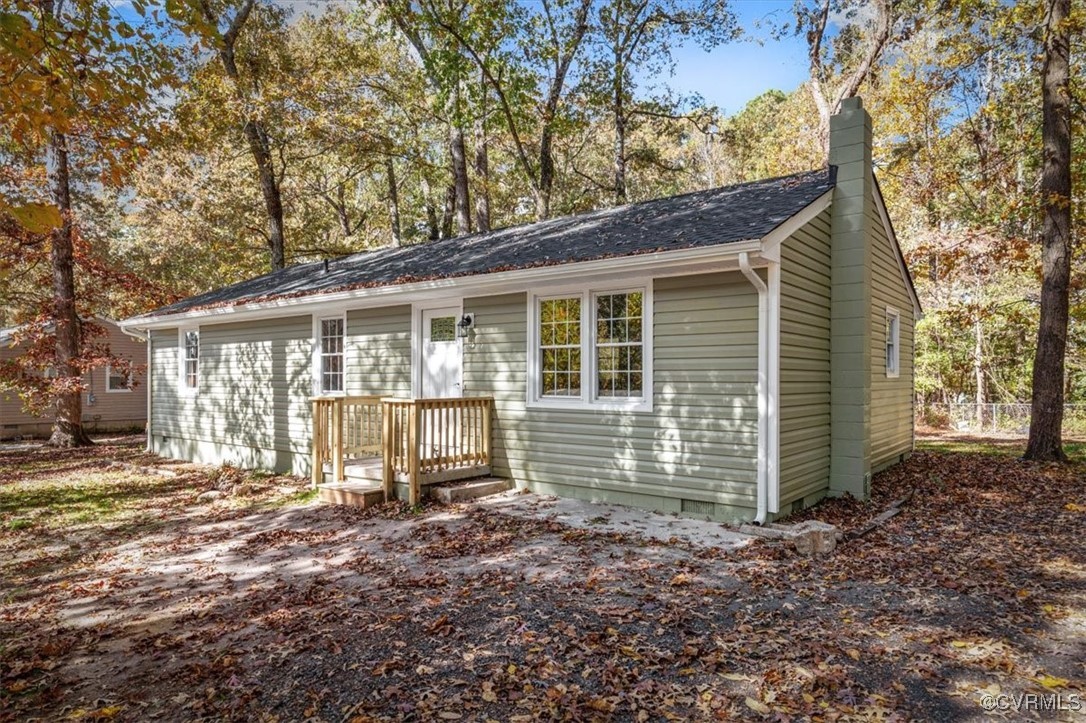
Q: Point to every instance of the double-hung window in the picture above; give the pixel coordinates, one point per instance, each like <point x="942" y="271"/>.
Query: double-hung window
<point x="619" y="342"/>
<point x="560" y="347"/>
<point x="893" y="343"/>
<point x="591" y="348"/>
<point x="331" y="355"/>
<point x="190" y="360"/>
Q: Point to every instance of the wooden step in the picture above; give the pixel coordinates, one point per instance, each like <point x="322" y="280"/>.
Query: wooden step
<point x="472" y="489"/>
<point x="350" y="493"/>
<point x="358" y="470"/>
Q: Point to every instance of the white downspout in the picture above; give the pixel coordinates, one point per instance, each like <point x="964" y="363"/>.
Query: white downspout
<point x="763" y="386"/>
<point x="146" y="337"/>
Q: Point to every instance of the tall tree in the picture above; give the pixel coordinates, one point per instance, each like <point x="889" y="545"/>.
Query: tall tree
<point x="425" y="26"/>
<point x="79" y="80"/>
<point x="636" y="37"/>
<point x="839" y="63"/>
<point x="550" y="37"/>
<point x="1046" y="421"/>
<point x="223" y="33"/>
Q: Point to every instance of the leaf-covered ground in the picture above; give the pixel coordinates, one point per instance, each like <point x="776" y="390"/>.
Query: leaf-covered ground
<point x="124" y="598"/>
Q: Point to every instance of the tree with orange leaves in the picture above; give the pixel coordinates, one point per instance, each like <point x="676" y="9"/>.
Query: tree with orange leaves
<point x="78" y="105"/>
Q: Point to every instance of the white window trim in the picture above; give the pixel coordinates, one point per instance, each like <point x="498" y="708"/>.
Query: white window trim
<point x="318" y="380"/>
<point x="109" y="373"/>
<point x="894" y="316"/>
<point x="588" y="399"/>
<point x="182" y="386"/>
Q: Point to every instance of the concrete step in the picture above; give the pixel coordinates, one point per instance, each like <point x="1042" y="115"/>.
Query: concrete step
<point x="350" y="493"/>
<point x="471" y="489"/>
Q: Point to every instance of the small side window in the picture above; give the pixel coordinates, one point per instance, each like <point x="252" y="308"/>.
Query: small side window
<point x="893" y="343"/>
<point x="331" y="355"/>
<point x="190" y="360"/>
<point x="117" y="380"/>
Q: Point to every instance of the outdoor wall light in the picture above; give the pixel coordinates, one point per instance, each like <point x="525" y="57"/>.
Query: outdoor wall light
<point x="465" y="325"/>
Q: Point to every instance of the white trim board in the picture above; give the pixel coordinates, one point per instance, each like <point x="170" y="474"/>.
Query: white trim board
<point x="769" y="366"/>
<point x="771" y="242"/>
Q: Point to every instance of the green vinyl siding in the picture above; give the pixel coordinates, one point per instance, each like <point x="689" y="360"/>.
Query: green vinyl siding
<point x="252" y="405"/>
<point x="379" y="351"/>
<point x="695" y="451"/>
<point x="805" y="362"/>
<point x="891" y="398"/>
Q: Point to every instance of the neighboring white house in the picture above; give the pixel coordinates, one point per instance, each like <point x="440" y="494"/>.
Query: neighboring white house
<point x="737" y="353"/>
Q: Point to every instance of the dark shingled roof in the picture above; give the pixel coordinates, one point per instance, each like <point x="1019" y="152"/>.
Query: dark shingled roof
<point x="703" y="218"/>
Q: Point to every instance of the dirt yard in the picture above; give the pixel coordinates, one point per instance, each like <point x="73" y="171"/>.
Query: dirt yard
<point x="126" y="598"/>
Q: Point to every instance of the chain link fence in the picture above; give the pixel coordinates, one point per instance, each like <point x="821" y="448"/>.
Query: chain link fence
<point x="1007" y="418"/>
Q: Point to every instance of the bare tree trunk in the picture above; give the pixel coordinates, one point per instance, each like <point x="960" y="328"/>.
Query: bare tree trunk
<point x="448" y="212"/>
<point x="393" y="202"/>
<point x="256" y="136"/>
<point x="461" y="199"/>
<point x="482" y="164"/>
<point x="269" y="188"/>
<point x="458" y="155"/>
<point x="619" y="159"/>
<point x="68" y="423"/>
<point x="1046" y="420"/>
<point x="849" y="83"/>
<point x="546" y="172"/>
<point x="343" y="214"/>
<point x="431" y="212"/>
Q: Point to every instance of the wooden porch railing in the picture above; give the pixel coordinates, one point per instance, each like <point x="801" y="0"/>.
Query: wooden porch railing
<point x="433" y="438"/>
<point x="344" y="428"/>
<point x="418" y="439"/>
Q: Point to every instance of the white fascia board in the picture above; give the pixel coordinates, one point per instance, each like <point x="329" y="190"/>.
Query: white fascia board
<point x="722" y="257"/>
<point x="771" y="243"/>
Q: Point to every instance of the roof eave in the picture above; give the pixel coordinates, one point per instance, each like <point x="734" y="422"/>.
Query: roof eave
<point x="661" y="263"/>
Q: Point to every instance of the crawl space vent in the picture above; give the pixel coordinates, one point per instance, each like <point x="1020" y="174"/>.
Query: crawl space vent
<point x="697" y="507"/>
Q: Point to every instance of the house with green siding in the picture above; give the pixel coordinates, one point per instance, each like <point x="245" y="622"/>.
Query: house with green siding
<point x="736" y="353"/>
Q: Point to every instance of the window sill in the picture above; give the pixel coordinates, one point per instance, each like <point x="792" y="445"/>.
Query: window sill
<point x="579" y="405"/>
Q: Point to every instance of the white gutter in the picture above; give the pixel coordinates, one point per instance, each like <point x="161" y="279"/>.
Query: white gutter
<point x="763" y="386"/>
<point x="134" y="333"/>
<point x="144" y="336"/>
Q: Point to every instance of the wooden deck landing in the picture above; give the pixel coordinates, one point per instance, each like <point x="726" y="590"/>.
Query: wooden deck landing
<point x="369" y="470"/>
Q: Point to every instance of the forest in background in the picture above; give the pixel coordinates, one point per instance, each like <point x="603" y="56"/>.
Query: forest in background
<point x="209" y="141"/>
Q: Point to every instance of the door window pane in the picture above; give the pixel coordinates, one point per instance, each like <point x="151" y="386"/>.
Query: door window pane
<point x="443" y="328"/>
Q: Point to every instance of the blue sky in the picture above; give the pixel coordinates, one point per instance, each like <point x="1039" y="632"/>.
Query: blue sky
<point x="733" y="74"/>
<point x="728" y="77"/>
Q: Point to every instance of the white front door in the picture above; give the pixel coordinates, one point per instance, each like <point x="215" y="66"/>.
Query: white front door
<point x="441" y="353"/>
